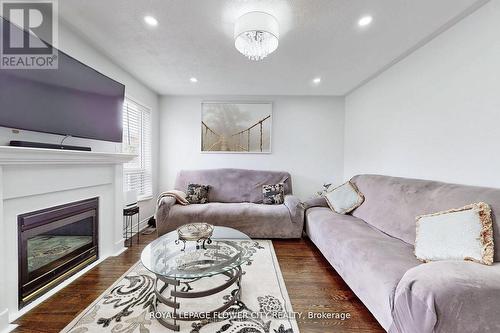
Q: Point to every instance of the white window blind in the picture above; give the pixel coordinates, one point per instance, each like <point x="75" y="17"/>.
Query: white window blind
<point x="137" y="174"/>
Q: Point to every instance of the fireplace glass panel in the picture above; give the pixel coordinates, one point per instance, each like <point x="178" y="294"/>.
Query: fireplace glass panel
<point x="52" y="245"/>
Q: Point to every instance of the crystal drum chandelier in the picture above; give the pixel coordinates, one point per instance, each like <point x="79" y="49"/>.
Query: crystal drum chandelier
<point x="256" y="35"/>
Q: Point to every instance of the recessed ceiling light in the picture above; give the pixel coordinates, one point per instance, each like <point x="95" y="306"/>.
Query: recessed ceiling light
<point x="317" y="80"/>
<point x="150" y="20"/>
<point x="365" y="20"/>
<point x="193" y="79"/>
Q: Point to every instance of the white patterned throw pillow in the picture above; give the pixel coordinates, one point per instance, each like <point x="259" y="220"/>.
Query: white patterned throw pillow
<point x="458" y="234"/>
<point x="273" y="194"/>
<point x="197" y="193"/>
<point x="344" y="198"/>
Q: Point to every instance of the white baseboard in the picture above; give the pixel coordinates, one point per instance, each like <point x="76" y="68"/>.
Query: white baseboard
<point x="120" y="251"/>
<point x="142" y="225"/>
<point x="9" y="328"/>
<point x="119" y="247"/>
<point x="5" y="327"/>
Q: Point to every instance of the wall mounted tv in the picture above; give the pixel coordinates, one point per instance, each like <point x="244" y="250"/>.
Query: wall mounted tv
<point x="72" y="100"/>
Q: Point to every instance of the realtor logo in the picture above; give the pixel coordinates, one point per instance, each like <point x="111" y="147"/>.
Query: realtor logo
<point x="29" y="34"/>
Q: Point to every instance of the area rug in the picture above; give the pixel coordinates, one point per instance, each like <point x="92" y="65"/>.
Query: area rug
<point x="264" y="307"/>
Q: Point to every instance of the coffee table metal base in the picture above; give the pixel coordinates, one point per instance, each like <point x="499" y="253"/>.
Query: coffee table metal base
<point x="174" y="299"/>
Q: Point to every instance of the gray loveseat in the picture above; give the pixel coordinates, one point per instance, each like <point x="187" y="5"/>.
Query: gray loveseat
<point x="235" y="200"/>
<point x="373" y="252"/>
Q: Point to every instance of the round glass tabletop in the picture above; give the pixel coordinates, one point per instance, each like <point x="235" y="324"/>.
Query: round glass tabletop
<point x="166" y="256"/>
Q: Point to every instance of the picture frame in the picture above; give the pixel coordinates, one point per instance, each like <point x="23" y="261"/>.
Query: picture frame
<point x="236" y="127"/>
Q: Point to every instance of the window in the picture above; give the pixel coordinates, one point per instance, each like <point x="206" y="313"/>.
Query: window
<point x="137" y="174"/>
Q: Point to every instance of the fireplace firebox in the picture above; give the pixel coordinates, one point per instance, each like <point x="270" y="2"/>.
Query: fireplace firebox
<point x="55" y="243"/>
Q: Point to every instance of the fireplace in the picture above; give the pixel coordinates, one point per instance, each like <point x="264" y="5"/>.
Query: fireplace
<point x="55" y="243"/>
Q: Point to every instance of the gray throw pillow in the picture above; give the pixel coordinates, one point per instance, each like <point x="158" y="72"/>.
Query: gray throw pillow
<point x="273" y="194"/>
<point x="197" y="193"/>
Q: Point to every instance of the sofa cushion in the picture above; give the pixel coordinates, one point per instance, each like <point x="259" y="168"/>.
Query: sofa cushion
<point x="447" y="296"/>
<point x="392" y="204"/>
<point x="256" y="220"/>
<point x="369" y="261"/>
<point x="234" y="185"/>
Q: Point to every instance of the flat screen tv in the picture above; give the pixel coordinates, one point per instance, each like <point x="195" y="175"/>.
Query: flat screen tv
<point x="74" y="100"/>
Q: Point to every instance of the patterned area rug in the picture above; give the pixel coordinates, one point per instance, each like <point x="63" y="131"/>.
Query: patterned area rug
<point x="264" y="307"/>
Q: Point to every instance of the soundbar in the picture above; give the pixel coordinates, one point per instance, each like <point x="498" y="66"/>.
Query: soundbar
<point x="29" y="144"/>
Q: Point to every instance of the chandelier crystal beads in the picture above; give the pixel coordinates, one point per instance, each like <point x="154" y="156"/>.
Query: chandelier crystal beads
<point x="256" y="35"/>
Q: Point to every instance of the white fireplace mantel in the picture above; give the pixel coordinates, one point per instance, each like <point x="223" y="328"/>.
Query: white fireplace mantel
<point x="20" y="155"/>
<point x="33" y="179"/>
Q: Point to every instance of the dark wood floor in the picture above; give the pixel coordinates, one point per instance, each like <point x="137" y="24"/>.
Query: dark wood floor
<point x="312" y="284"/>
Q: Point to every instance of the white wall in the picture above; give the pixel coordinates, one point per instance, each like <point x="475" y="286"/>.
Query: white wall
<point x="80" y="49"/>
<point x="307" y="140"/>
<point x="436" y="114"/>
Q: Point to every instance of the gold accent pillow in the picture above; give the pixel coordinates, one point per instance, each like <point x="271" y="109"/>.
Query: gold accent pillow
<point x="464" y="233"/>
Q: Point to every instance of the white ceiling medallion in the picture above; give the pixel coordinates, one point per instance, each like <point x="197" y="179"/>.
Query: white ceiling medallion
<point x="256" y="35"/>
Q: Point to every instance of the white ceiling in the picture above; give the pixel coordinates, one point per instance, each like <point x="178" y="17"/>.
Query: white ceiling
<point x="318" y="38"/>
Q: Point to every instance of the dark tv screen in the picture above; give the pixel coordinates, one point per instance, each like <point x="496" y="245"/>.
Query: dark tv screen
<point x="72" y="100"/>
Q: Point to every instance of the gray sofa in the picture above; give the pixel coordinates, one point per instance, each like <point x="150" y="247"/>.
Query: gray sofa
<point x="235" y="200"/>
<point x="372" y="250"/>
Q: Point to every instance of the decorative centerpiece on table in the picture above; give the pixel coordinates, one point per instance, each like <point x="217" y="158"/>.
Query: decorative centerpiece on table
<point x="200" y="233"/>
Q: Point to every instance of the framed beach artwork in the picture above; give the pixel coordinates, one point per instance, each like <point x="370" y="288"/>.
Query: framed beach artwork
<point x="236" y="127"/>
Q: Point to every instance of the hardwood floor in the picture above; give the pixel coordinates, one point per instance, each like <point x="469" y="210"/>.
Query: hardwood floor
<point x="312" y="284"/>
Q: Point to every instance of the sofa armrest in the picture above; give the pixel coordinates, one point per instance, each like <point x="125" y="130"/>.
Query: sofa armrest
<point x="295" y="207"/>
<point x="448" y="296"/>
<point x="163" y="210"/>
<point x="315" y="202"/>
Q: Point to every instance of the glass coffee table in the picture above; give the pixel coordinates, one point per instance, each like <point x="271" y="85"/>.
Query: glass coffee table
<point x="176" y="265"/>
